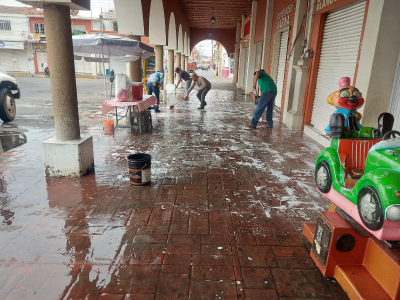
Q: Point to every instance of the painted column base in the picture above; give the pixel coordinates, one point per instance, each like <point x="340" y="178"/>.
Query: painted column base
<point x="163" y="95"/>
<point x="69" y="158"/>
<point x="293" y="121"/>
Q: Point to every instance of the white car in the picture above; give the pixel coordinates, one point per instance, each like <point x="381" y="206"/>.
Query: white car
<point x="9" y="91"/>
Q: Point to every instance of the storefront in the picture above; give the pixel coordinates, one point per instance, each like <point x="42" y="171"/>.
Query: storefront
<point x="337" y="35"/>
<point x="394" y="108"/>
<point x="282" y="24"/>
<point x="40" y="55"/>
<point x="14" y="56"/>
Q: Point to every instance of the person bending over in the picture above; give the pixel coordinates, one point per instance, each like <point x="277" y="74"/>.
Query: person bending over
<point x="204" y="87"/>
<point x="183" y="75"/>
<point x="267" y="99"/>
<point x="153" y="86"/>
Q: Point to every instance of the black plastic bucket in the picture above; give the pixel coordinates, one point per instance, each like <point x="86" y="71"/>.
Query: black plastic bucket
<point x="139" y="168"/>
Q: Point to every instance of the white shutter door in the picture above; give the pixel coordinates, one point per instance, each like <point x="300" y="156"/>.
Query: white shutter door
<point x="246" y="63"/>
<point x="82" y="66"/>
<point x="280" y="76"/>
<point x="394" y="107"/>
<point x="41" y="58"/>
<point x="14" y="60"/>
<point x="339" y="51"/>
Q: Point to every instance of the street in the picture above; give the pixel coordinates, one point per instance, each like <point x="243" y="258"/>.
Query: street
<point x="34" y="118"/>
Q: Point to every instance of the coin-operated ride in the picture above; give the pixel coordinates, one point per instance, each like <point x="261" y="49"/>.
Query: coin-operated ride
<point x="360" y="174"/>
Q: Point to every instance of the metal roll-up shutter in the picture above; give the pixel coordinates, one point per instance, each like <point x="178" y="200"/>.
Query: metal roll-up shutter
<point x="14" y="60"/>
<point x="339" y="52"/>
<point x="280" y="76"/>
<point x="394" y="108"/>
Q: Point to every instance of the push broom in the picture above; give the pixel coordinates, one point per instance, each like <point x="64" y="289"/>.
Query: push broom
<point x="171" y="94"/>
<point x="172" y="106"/>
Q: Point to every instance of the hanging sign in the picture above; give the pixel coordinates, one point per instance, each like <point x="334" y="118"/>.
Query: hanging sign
<point x="246" y="29"/>
<point x="323" y="6"/>
<point x="39" y="47"/>
<point x="283" y="17"/>
<point x="11" y="45"/>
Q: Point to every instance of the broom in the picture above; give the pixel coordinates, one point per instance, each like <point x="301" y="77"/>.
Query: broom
<point x="171" y="94"/>
<point x="172" y="106"/>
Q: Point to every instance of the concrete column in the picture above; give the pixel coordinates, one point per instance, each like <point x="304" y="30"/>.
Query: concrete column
<point x="63" y="85"/>
<point x="252" y="49"/>
<point x="186" y="63"/>
<point x="267" y="34"/>
<point x="135" y="67"/>
<point x="296" y="51"/>
<point x="178" y="61"/>
<point x="183" y="61"/>
<point x="171" y="73"/>
<point x="377" y="64"/>
<point x="241" y="57"/>
<point x="293" y="118"/>
<point x="160" y="59"/>
<point x="66" y="154"/>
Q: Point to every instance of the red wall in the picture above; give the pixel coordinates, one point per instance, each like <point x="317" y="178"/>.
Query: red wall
<point x="227" y="37"/>
<point x="261" y="10"/>
<point x="180" y="18"/>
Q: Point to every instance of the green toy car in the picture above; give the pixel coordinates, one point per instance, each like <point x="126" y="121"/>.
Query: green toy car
<point x="362" y="177"/>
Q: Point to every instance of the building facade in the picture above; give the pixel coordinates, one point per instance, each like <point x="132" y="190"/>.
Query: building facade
<point x="15" y="52"/>
<point x="308" y="45"/>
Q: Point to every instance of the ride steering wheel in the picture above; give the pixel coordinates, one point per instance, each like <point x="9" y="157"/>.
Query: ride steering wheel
<point x="392" y="134"/>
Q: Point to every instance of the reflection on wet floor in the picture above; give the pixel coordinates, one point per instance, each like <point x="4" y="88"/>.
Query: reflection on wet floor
<point x="222" y="218"/>
<point x="10" y="139"/>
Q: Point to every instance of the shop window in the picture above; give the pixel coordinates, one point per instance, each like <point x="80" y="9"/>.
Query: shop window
<point x="38" y="28"/>
<point x="5" y="25"/>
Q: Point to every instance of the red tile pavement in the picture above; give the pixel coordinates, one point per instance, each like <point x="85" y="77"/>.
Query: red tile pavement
<point x="222" y="218"/>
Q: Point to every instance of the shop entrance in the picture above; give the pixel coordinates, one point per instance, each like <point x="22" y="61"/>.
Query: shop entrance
<point x="280" y="75"/>
<point x="41" y="59"/>
<point x="339" y="53"/>
<point x="395" y="101"/>
<point x="246" y="65"/>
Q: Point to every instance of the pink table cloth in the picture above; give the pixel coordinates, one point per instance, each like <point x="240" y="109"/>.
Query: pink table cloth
<point x="142" y="105"/>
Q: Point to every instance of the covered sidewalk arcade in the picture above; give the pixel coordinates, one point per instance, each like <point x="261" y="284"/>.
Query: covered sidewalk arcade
<point x="223" y="216"/>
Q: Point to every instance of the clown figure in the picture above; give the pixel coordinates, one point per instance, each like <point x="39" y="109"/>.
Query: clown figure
<point x="347" y="100"/>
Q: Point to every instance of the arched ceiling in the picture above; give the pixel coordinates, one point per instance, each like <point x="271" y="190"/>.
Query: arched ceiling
<point x="226" y="12"/>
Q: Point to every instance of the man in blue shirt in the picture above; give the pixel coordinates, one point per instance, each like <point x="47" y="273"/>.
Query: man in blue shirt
<point x="153" y="86"/>
<point x="186" y="77"/>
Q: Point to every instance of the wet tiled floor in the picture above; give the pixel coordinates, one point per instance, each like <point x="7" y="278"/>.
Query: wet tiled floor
<point x="222" y="218"/>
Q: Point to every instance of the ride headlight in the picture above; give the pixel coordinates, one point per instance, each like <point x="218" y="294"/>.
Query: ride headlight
<point x="393" y="213"/>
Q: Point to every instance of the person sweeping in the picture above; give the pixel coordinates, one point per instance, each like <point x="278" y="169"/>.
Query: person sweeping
<point x="183" y="75"/>
<point x="153" y="86"/>
<point x="204" y="87"/>
<point x="267" y="99"/>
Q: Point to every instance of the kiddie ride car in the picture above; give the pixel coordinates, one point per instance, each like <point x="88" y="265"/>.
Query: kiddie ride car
<point x="360" y="174"/>
<point x="360" y="171"/>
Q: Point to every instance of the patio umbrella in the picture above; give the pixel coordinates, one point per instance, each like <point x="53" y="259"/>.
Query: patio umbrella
<point x="105" y="44"/>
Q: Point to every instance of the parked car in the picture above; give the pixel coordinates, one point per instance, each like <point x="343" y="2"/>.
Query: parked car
<point x="9" y="91"/>
<point x="365" y="172"/>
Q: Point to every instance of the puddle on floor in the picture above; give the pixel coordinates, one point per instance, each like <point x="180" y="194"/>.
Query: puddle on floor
<point x="10" y="139"/>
